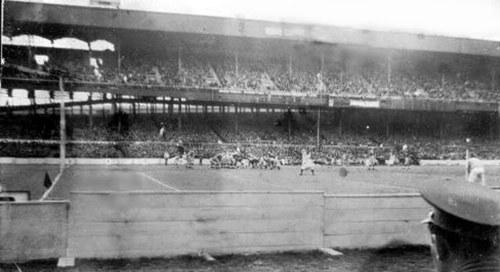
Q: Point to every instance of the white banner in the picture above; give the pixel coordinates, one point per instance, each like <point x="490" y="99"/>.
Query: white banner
<point x="364" y="104"/>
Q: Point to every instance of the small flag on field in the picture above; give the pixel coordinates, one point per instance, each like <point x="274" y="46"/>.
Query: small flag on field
<point x="46" y="181"/>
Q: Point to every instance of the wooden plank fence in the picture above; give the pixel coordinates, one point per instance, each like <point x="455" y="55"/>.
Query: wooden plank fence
<point x="149" y="224"/>
<point x="33" y="230"/>
<point x="367" y="221"/>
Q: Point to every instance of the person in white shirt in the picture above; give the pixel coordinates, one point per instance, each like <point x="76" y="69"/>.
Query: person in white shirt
<point x="163" y="132"/>
<point x="307" y="163"/>
<point x="474" y="169"/>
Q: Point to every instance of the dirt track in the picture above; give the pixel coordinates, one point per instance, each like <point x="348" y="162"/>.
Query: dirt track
<point x="416" y="259"/>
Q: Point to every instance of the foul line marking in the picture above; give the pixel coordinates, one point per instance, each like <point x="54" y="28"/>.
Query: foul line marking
<point x="46" y="194"/>
<point x="158" y="182"/>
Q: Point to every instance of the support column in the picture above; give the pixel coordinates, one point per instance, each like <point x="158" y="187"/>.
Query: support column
<point x="389" y="67"/>
<point x="340" y="123"/>
<point x="236" y="62"/>
<point x="441" y="126"/>
<point x="318" y="128"/>
<point x="498" y="123"/>
<point x="119" y="55"/>
<point x="179" y="122"/>
<point x="388" y="125"/>
<point x="492" y="124"/>
<point x="235" y="119"/>
<point x="113" y="104"/>
<point x="493" y="78"/>
<point x="90" y="114"/>
<point x="62" y="131"/>
<point x="104" y="112"/>
<point x="163" y="105"/>
<point x="31" y="97"/>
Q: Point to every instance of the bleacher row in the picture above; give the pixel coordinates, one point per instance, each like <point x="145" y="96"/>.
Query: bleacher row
<point x="368" y="79"/>
<point x="214" y="134"/>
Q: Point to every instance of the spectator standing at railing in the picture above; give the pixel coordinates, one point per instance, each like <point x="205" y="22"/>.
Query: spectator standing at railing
<point x="475" y="170"/>
<point x="163" y="132"/>
<point x="407" y="159"/>
<point x="474" y="167"/>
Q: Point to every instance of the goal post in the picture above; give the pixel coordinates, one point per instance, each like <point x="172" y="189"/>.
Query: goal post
<point x="62" y="129"/>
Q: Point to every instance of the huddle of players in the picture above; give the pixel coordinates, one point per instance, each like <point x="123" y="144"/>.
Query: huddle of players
<point x="182" y="157"/>
<point x="242" y="159"/>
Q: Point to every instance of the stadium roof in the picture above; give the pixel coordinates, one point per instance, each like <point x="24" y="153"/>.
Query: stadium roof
<point x="86" y="20"/>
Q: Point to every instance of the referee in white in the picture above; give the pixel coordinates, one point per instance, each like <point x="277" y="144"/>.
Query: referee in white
<point x="474" y="168"/>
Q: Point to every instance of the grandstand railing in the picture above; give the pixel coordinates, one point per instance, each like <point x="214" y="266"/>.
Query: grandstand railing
<point x="252" y="97"/>
<point x="257" y="144"/>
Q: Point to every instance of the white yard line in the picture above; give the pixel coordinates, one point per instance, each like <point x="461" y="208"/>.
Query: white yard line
<point x="158" y="182"/>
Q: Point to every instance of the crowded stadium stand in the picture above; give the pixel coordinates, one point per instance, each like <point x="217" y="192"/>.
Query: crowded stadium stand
<point x="273" y="88"/>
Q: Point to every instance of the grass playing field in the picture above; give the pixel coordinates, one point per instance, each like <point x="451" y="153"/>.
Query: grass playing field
<point x="173" y="178"/>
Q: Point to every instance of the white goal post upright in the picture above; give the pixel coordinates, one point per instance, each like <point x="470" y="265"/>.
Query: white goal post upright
<point x="62" y="129"/>
<point x="317" y="129"/>
<point x="467" y="157"/>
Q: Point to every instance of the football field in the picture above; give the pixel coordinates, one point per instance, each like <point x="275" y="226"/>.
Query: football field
<point x="95" y="178"/>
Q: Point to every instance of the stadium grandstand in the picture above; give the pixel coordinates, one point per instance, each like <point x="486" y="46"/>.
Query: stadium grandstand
<point x="257" y="83"/>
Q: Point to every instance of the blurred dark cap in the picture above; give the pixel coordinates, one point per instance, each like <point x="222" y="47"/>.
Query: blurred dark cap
<point x="464" y="208"/>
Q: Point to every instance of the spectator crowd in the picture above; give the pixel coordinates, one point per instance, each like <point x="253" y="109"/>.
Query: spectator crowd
<point x="250" y="72"/>
<point x="211" y="135"/>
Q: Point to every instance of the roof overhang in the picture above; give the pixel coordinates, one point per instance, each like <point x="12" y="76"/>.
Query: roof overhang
<point x="92" y="23"/>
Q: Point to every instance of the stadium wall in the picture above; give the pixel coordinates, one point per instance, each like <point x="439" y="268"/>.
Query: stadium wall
<point x="156" y="224"/>
<point x="33" y="230"/>
<point x="368" y="221"/>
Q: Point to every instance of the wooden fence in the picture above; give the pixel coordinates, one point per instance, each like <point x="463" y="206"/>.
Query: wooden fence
<point x="154" y="224"/>
<point x="33" y="230"/>
<point x="364" y="221"/>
